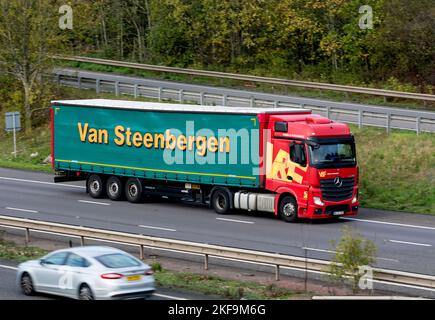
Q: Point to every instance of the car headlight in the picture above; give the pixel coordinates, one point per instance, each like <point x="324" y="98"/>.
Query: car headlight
<point x="318" y="201"/>
<point x="355" y="199"/>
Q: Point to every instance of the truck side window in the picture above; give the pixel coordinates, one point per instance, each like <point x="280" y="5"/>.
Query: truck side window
<point x="297" y="154"/>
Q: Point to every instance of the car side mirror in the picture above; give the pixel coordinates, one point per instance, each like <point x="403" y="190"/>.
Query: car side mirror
<point x="42" y="262"/>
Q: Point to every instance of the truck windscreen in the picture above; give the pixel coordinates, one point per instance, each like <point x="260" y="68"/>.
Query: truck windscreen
<point x="333" y="155"/>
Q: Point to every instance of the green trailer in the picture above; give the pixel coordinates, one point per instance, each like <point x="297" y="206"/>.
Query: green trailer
<point x="156" y="141"/>
<point x="132" y="150"/>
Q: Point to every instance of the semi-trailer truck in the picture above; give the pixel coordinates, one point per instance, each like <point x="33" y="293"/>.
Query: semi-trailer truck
<point x="286" y="161"/>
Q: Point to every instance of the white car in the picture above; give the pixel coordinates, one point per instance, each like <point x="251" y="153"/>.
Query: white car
<point x="87" y="273"/>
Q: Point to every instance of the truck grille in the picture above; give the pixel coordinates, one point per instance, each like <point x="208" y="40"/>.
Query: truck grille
<point x="332" y="192"/>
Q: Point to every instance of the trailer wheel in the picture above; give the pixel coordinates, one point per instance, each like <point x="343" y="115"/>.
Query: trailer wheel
<point x="133" y="190"/>
<point x="288" y="209"/>
<point x="114" y="188"/>
<point x="95" y="186"/>
<point x="220" y="201"/>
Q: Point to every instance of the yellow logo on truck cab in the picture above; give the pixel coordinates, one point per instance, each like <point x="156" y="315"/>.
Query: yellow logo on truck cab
<point x="282" y="167"/>
<point x="322" y="174"/>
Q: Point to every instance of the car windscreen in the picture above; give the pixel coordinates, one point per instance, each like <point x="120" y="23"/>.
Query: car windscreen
<point x="333" y="155"/>
<point x="117" y="260"/>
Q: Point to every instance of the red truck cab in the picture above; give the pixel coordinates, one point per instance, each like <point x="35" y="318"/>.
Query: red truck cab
<point x="310" y="163"/>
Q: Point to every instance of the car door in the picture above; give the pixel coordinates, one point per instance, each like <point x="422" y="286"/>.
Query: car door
<point x="74" y="272"/>
<point x="47" y="275"/>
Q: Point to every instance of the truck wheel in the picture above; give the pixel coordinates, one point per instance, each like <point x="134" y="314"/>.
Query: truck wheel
<point x="133" y="190"/>
<point x="114" y="188"/>
<point x="220" y="201"/>
<point x="288" y="209"/>
<point x="95" y="186"/>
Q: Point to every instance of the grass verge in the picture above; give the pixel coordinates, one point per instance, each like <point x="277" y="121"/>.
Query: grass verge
<point x="10" y="251"/>
<point x="397" y="170"/>
<point x="229" y="289"/>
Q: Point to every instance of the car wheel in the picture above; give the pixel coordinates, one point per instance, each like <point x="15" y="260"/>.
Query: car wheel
<point x="133" y="190"/>
<point x="26" y="284"/>
<point x="85" y="293"/>
<point x="220" y="201"/>
<point x="95" y="186"/>
<point x="288" y="209"/>
<point x="114" y="188"/>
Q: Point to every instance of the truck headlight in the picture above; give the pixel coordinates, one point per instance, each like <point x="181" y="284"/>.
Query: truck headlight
<point x="318" y="201"/>
<point x="355" y="199"/>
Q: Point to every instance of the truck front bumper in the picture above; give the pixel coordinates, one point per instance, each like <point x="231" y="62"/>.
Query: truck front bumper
<point x="330" y="209"/>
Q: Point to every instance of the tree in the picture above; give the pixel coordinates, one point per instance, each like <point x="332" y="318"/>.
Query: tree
<point x="29" y="34"/>
<point x="352" y="252"/>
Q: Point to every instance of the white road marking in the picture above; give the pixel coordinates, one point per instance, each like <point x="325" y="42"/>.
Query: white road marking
<point x="332" y="251"/>
<point x="411" y="243"/>
<point x="23" y="210"/>
<point x="319" y="250"/>
<point x="157" y="228"/>
<point x="94" y="202"/>
<point x="43" y="182"/>
<point x="168" y="297"/>
<point x="391" y="223"/>
<point x="8" y="267"/>
<point x="233" y="220"/>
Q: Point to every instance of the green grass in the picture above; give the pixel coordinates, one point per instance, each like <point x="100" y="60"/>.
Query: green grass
<point x="262" y="87"/>
<point x="10" y="251"/>
<point x="397" y="170"/>
<point x="27" y="147"/>
<point x="229" y="289"/>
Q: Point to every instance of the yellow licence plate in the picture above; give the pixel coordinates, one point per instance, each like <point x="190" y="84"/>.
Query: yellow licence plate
<point x="134" y="278"/>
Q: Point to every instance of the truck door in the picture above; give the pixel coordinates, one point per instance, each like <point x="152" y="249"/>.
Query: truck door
<point x="289" y="168"/>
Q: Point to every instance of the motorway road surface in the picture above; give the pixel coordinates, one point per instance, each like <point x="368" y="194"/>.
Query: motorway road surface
<point x="10" y="291"/>
<point x="405" y="241"/>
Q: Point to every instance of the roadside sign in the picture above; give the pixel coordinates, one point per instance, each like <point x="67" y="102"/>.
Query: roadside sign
<point x="13" y="121"/>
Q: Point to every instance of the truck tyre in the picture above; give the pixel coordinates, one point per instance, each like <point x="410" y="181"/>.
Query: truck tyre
<point x="288" y="209"/>
<point x="133" y="190"/>
<point x="95" y="186"/>
<point x="220" y="201"/>
<point x="114" y="188"/>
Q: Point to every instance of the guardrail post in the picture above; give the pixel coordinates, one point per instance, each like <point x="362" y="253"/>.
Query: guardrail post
<point x="79" y="82"/>
<point x="252" y="102"/>
<point x="360" y="118"/>
<point x="201" y="98"/>
<point x="97" y="86"/>
<point x="160" y="93"/>
<point x="277" y="272"/>
<point x="206" y="262"/>
<point x="27" y="240"/>
<point x="276" y="104"/>
<point x="388" y="122"/>
<point x="117" y="88"/>
<point x="328" y="110"/>
<point x="224" y="99"/>
<point x="82" y="241"/>
<point x="418" y="125"/>
<point x="57" y="78"/>
<point x="180" y="95"/>
<point x="141" y="255"/>
<point x="136" y="90"/>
